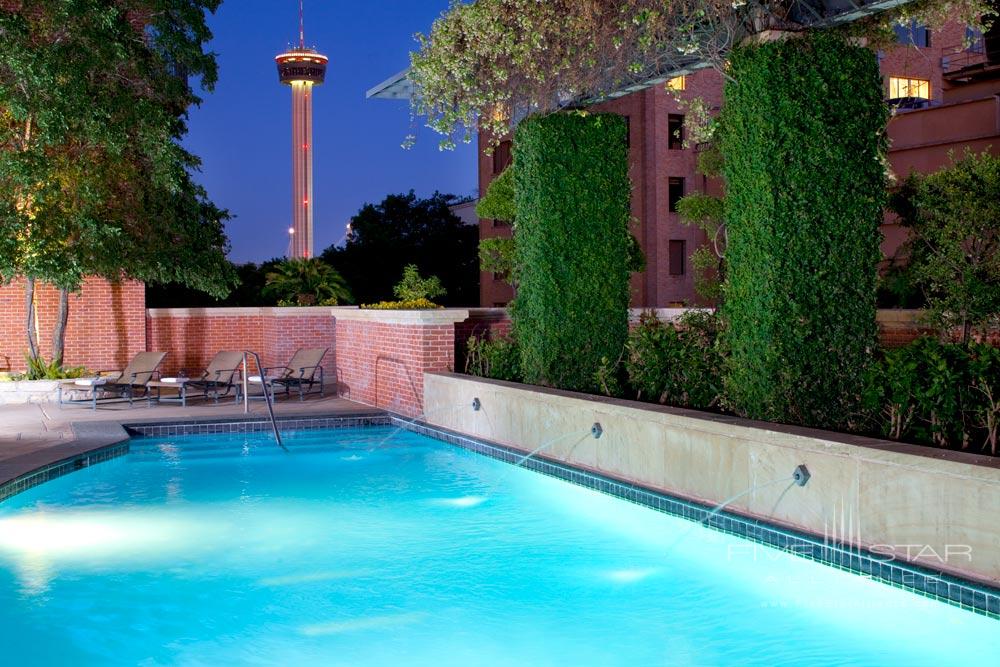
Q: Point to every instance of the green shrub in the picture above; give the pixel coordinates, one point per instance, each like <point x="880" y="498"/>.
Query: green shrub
<point x="935" y="393"/>
<point x="498" y="358"/>
<point x="497" y="255"/>
<point x="498" y="202"/>
<point x="573" y="212"/>
<point x="414" y="287"/>
<point x="803" y="136"/>
<point x="406" y="304"/>
<point x="675" y="364"/>
<point x="39" y="369"/>
<point x="954" y="220"/>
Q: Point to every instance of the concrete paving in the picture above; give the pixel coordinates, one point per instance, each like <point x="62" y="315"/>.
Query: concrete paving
<point x="33" y="436"/>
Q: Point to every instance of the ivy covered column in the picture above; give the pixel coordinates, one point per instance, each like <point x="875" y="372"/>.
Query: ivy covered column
<point x="572" y="250"/>
<point x="803" y="137"/>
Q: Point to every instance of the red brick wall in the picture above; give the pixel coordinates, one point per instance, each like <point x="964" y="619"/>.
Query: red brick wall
<point x="383" y="363"/>
<point x="191" y="337"/>
<point x="106" y="325"/>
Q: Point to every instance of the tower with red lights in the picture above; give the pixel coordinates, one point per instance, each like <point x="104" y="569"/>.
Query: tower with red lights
<point x="301" y="68"/>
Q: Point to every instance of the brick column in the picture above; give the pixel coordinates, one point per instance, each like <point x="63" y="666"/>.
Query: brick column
<point x="382" y="355"/>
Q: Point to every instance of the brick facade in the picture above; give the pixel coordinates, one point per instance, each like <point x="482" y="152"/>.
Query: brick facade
<point x="961" y="113"/>
<point x="106" y="324"/>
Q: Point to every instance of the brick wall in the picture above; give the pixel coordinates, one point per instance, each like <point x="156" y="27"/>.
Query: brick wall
<point x="382" y="355"/>
<point x="106" y="325"/>
<point x="192" y="336"/>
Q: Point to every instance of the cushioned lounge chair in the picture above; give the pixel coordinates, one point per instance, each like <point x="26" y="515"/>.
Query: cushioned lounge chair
<point x="302" y="373"/>
<point x="129" y="383"/>
<point x="219" y="378"/>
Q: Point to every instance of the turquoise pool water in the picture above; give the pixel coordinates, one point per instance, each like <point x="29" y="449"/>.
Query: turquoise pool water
<point x="223" y="550"/>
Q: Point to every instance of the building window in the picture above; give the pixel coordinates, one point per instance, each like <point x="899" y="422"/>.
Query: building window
<point x="677" y="83"/>
<point x="677" y="257"/>
<point x="913" y="34"/>
<point x="675" y="128"/>
<point x="901" y="86"/>
<point x="675" y="190"/>
<point x="502" y="156"/>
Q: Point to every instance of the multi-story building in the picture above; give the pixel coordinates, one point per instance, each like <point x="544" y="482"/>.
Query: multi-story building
<point x="944" y="87"/>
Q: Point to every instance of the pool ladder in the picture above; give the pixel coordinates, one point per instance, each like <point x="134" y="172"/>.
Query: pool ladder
<point x="267" y="395"/>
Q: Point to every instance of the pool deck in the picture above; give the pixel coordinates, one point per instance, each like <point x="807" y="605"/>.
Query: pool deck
<point x="36" y="435"/>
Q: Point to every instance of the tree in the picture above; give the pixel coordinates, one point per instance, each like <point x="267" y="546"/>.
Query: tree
<point x="708" y="213"/>
<point x="954" y="220"/>
<point x="405" y="229"/>
<point x="485" y="64"/>
<point x="306" y="282"/>
<point x="93" y="97"/>
<point x="413" y="286"/>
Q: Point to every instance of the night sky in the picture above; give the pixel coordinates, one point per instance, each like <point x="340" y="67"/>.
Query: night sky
<point x="242" y="130"/>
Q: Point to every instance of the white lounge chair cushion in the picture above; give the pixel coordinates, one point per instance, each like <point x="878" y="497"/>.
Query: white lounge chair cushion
<point x="90" y="382"/>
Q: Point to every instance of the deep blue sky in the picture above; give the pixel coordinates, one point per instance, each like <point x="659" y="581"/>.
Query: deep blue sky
<point x="242" y="131"/>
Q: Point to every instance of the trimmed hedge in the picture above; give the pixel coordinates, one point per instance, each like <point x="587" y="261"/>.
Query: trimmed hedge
<point x="803" y="135"/>
<point x="572" y="198"/>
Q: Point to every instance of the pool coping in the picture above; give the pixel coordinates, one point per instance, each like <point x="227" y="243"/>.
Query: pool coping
<point x="102" y="441"/>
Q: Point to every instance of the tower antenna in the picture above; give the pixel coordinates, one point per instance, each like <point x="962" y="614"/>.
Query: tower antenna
<point x="302" y="28"/>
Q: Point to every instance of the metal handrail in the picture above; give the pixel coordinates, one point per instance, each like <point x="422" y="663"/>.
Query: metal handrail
<point x="267" y="395"/>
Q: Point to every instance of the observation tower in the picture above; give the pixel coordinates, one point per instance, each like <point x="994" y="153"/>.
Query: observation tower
<point x="301" y="68"/>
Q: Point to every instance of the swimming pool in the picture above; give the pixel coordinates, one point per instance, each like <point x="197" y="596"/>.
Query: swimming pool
<point x="223" y="550"/>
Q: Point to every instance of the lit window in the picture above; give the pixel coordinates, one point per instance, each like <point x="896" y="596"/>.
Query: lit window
<point x="677" y="83"/>
<point x="900" y="86"/>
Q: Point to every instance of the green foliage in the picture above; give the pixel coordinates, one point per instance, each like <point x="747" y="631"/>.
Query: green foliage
<point x="708" y="214"/>
<point x="412" y="304"/>
<point x="675" y="365"/>
<point x="94" y="178"/>
<point x="803" y="135"/>
<point x="572" y="246"/>
<point x="39" y="369"/>
<point x="485" y="60"/>
<point x="497" y="255"/>
<point x="498" y="202"/>
<point x="306" y="282"/>
<point x="414" y="287"/>
<point x="939" y="394"/>
<point x="403" y="229"/>
<point x="497" y="358"/>
<point x="954" y="218"/>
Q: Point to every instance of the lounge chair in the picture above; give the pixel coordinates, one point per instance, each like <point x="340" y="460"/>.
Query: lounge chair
<point x="219" y="378"/>
<point x="129" y="384"/>
<point x="303" y="372"/>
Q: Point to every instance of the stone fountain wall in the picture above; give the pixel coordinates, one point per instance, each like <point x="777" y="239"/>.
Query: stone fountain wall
<point x="924" y="506"/>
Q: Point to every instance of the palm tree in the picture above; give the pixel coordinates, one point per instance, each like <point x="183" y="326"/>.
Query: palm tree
<point x="306" y="282"/>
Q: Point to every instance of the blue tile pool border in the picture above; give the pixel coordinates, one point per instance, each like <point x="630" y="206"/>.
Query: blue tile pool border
<point x="940" y="586"/>
<point x="243" y="425"/>
<point x="62" y="467"/>
<point x="923" y="581"/>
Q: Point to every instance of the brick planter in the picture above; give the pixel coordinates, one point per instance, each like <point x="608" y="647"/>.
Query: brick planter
<point x="382" y="355"/>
